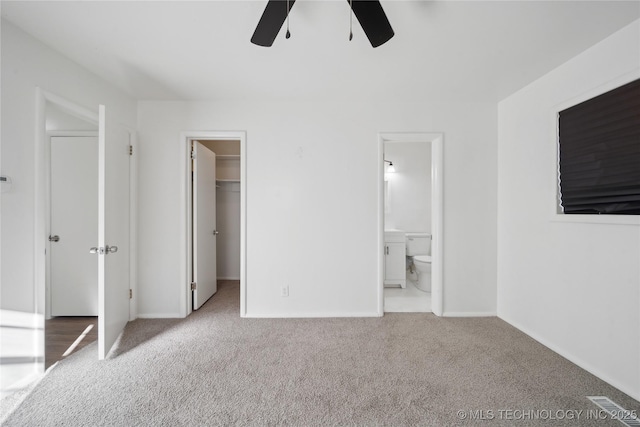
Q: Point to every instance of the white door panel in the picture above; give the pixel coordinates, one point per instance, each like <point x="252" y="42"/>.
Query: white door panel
<point x="74" y="220"/>
<point x="204" y="225"/>
<point x="113" y="231"/>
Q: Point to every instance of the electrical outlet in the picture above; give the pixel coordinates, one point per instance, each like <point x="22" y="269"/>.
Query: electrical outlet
<point x="284" y="291"/>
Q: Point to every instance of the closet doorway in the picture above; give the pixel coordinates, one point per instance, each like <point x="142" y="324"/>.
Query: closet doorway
<point x="215" y="214"/>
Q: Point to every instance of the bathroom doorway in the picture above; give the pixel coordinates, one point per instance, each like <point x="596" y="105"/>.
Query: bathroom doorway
<point x="410" y="220"/>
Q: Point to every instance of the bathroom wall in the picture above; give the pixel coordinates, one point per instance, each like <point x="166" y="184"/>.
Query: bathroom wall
<point x="573" y="286"/>
<point x="408" y="204"/>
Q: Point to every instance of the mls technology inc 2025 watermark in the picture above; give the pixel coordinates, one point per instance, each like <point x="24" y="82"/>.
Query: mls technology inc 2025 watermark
<point x="543" y="414"/>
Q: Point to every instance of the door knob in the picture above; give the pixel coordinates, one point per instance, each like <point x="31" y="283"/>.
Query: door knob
<point x="216" y="232"/>
<point x="55" y="238"/>
<point x="105" y="250"/>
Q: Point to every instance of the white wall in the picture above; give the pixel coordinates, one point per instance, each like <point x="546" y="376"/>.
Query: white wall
<point x="312" y="201"/>
<point x="575" y="287"/>
<point x="409" y="188"/>
<point x="27" y="63"/>
<point x="228" y="223"/>
<point x="56" y="119"/>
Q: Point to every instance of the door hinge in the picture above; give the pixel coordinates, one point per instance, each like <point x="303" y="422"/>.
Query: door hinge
<point x="131" y="150"/>
<point x="193" y="152"/>
<point x="193" y="286"/>
<point x="130" y="293"/>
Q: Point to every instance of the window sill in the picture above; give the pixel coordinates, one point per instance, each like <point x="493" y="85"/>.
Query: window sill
<point x="598" y="219"/>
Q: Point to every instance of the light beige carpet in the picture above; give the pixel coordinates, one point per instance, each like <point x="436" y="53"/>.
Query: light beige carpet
<point x="215" y="368"/>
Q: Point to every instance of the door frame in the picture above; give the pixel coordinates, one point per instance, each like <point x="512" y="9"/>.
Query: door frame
<point x="186" y="255"/>
<point x="42" y="161"/>
<point x="436" y="139"/>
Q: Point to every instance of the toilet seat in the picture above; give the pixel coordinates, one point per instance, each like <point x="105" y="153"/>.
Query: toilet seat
<point x="422" y="258"/>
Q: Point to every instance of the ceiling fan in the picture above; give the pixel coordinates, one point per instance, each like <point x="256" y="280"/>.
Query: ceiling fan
<point x="370" y="14"/>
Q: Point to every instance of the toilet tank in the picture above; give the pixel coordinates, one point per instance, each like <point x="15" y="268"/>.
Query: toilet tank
<point x="418" y="244"/>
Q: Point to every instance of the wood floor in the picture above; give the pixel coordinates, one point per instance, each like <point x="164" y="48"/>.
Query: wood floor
<point x="60" y="333"/>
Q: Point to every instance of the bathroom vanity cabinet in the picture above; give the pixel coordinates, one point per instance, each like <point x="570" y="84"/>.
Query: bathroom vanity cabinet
<point x="395" y="259"/>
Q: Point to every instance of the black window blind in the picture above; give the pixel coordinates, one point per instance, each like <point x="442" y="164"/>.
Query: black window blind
<point x="599" y="147"/>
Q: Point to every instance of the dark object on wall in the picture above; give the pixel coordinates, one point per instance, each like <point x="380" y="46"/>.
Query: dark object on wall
<point x="599" y="154"/>
<point x="370" y="14"/>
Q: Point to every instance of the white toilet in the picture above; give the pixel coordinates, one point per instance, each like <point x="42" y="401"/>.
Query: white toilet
<point x="419" y="257"/>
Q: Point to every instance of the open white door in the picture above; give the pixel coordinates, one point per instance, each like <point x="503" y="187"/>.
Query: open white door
<point x="205" y="273"/>
<point x="113" y="231"/>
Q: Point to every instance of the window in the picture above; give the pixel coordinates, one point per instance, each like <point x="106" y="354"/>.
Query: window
<point x="599" y="154"/>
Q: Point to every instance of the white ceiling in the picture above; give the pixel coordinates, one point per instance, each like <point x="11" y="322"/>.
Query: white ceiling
<point x="445" y="50"/>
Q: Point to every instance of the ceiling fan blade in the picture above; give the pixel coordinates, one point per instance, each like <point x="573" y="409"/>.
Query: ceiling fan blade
<point x="271" y="21"/>
<point x="373" y="21"/>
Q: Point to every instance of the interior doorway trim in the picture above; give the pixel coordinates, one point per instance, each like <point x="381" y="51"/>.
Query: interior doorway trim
<point x="41" y="180"/>
<point x="41" y="216"/>
<point x="185" y="235"/>
<point x="42" y="162"/>
<point x="436" y="139"/>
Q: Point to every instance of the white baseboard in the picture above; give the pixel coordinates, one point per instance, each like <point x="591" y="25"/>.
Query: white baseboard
<point x="469" y="314"/>
<point x="309" y="315"/>
<point x="574" y="359"/>
<point x="160" y="316"/>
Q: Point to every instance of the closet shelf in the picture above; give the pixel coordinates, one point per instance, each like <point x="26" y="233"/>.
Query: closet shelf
<point x="228" y="157"/>
<point x="227" y="180"/>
